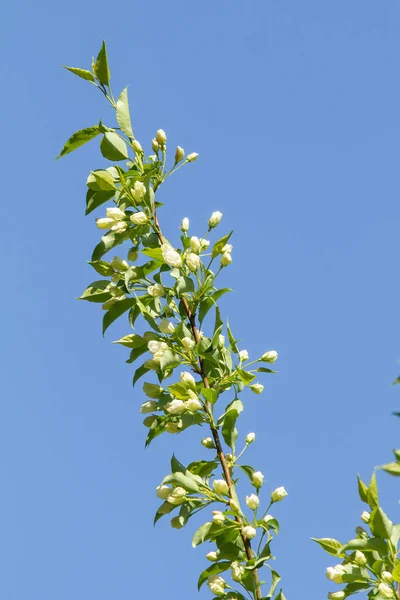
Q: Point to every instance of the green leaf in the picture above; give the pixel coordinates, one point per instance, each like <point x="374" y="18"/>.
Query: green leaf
<point x="108" y="241"/>
<point x="210" y="395"/>
<point x="365" y="544"/>
<point x="96" y="199"/>
<point x="155" y="253"/>
<point x="116" y="311"/>
<point x="229" y="431"/>
<point x="169" y="360"/>
<point x="220" y="244"/>
<point x="215" y="569"/>
<point x="248" y="470"/>
<point x="164" y="509"/>
<point x="101" y="181"/>
<point x="207" y="303"/>
<point x="201" y="534"/>
<point x="329" y="545"/>
<point x="96" y="291"/>
<point x="131" y="341"/>
<point x="113" y="147"/>
<point x="265" y="370"/>
<point x="232" y="340"/>
<point x="362" y="490"/>
<point x="380" y="524"/>
<point x="396" y="571"/>
<point x="102" y="267"/>
<point x="83" y="73"/>
<point x="142" y="370"/>
<point x="203" y="468"/>
<point x="373" y="497"/>
<point x="275" y="580"/>
<point x="245" y="376"/>
<point x="78" y="139"/>
<point x="280" y="596"/>
<point x="123" y="114"/>
<point x="396" y="381"/>
<point x="184" y="285"/>
<point x="100" y="68"/>
<point x="392" y="468"/>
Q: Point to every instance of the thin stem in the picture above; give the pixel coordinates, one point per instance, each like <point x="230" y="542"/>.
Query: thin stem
<point x="217" y="441"/>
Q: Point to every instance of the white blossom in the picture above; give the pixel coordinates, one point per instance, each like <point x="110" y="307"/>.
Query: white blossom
<point x="188" y="343"/>
<point x="226" y="259"/>
<point x="365" y="516"/>
<point x="104" y="223"/>
<point x="238" y="571"/>
<point x="138" y="191"/>
<point x="249" y="532"/>
<point x="244" y="355"/>
<point x="257" y="388"/>
<point x="119" y="264"/>
<point x="385" y="590"/>
<point x="148" y="407"/>
<point x="175" y="407"/>
<point x="258" y="479"/>
<point x="193" y="404"/>
<point x="193" y="261"/>
<point x="278" y="494"/>
<point x="226" y="248"/>
<point x="139" y="218"/>
<point x="115" y="213"/>
<point x="156" y="290"/>
<point x="336" y="595"/>
<point x="252" y="501"/>
<point x="216" y="584"/>
<point x="335" y="574"/>
<point x="386" y="576"/>
<point x="161" y="137"/>
<point x="191" y="157"/>
<point x="221" y="487"/>
<point x="154" y="346"/>
<point x="212" y="556"/>
<point x="360" y="558"/>
<point x="179" y="155"/>
<point x="187" y="377"/>
<point x="207" y="443"/>
<point x="163" y="491"/>
<point x="218" y="517"/>
<point x="214" y="219"/>
<point x="185" y="224"/>
<point x="250" y="437"/>
<point x="119" y="227"/>
<point x="171" y="256"/>
<point x="270" y="356"/>
<point x="195" y="244"/>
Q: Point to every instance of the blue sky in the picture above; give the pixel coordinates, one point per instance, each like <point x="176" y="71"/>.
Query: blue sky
<point x="293" y="108"/>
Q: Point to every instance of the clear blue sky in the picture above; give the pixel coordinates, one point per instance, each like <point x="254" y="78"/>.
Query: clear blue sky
<point x="293" y="107"/>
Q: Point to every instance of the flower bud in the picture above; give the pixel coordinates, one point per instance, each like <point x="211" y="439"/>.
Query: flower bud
<point x="148" y="407"/>
<point x="137" y="147"/>
<point x="191" y="157"/>
<point x="207" y="443"/>
<point x="104" y="223"/>
<point x="257" y="388"/>
<point x="252" y="501"/>
<point x="193" y="261"/>
<point x="227" y="248"/>
<point x="161" y="137"/>
<point x="218" y="517"/>
<point x="234" y="505"/>
<point x="148" y="421"/>
<point x="113" y="212"/>
<point x="385" y="590"/>
<point x="204" y="244"/>
<point x="179" y="154"/>
<point x="138" y="191"/>
<point x="195" y="244"/>
<point x="258" y="479"/>
<point x="185" y="224"/>
<point x="250" y="437"/>
<point x="155" y="145"/>
<point x="171" y="256"/>
<point x="156" y="290"/>
<point x="119" y="227"/>
<point x="214" y="219"/>
<point x="166" y="326"/>
<point x="177" y="497"/>
<point x="226" y="259"/>
<point x="188" y="343"/>
<point x="249" y="532"/>
<point x="360" y="558"/>
<point x="387" y="577"/>
<point x="163" y="491"/>
<point x="336" y="595"/>
<point x="335" y="574"/>
<point x="270" y="356"/>
<point x="365" y="516"/>
<point x="193" y="404"/>
<point x="278" y="494"/>
<point x="119" y="264"/>
<point x="268" y="518"/>
<point x="174" y="426"/>
<point x="212" y="556"/>
<point x="133" y="254"/>
<point x="221" y="340"/>
<point x="238" y="571"/>
<point x="221" y="487"/>
<point x="244" y="355"/>
<point x="139" y="218"/>
<point x="186" y="377"/>
<point x="216" y="584"/>
<point x="175" y="407"/>
<point x="177" y="522"/>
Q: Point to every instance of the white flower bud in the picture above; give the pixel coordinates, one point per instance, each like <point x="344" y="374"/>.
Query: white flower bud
<point x="250" y="437"/>
<point x="119" y="227"/>
<point x="171" y="256"/>
<point x="138" y="191"/>
<point x="104" y="223"/>
<point x="191" y="157"/>
<point x="278" y="494"/>
<point x="214" y="219"/>
<point x="212" y="556"/>
<point x="218" y="517"/>
<point x="177" y="497"/>
<point x="270" y="356"/>
<point x="119" y="264"/>
<point x="175" y="407"/>
<point x="185" y="224"/>
<point x="336" y="595"/>
<point x="217" y="585"/>
<point x="179" y="154"/>
<point x="156" y="290"/>
<point x="385" y="590"/>
<point x="115" y="213"/>
<point x="139" y="218"/>
<point x="257" y="388"/>
<point x="166" y="326"/>
<point x="249" y="532"/>
<point x="188" y="343"/>
<point x="186" y="377"/>
<point x="174" y="426"/>
<point x="137" y="146"/>
<point x="365" y="516"/>
<point x="163" y="491"/>
<point x="258" y="479"/>
<point x="244" y="355"/>
<point x="252" y="501"/>
<point x="177" y="522"/>
<point x="227" y="248"/>
<point x="148" y="407"/>
<point x="207" y="443"/>
<point x="193" y="404"/>
<point x="221" y="340"/>
<point x="386" y="576"/>
<point x="360" y="558"/>
<point x="154" y="346"/>
<point x="238" y="571"/>
<point x="155" y="146"/>
<point x="193" y="261"/>
<point x="234" y="505"/>
<point x="148" y="421"/>
<point x="221" y="487"/>
<point x="226" y="259"/>
<point x="335" y="574"/>
<point x="161" y="137"/>
<point x="268" y="518"/>
<point x="195" y="244"/>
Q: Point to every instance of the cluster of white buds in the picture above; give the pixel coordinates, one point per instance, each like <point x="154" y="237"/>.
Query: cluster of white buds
<point x="138" y="191"/>
<point x="113" y="220"/>
<point x="243" y="355"/>
<point x="198" y="245"/>
<point x="386" y="591"/>
<point x="336" y="573"/>
<point x="238" y="571"/>
<point x="157" y="349"/>
<point x="217" y="585"/>
<point x="193" y="404"/>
